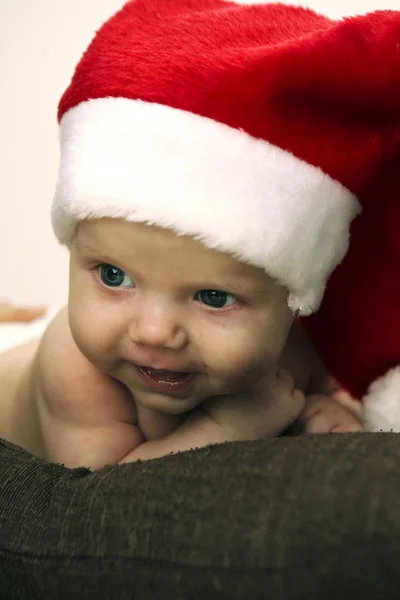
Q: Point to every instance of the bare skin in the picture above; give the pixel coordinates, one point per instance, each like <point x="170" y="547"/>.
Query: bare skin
<point x="79" y="416"/>
<point x="75" y="396"/>
<point x="328" y="407"/>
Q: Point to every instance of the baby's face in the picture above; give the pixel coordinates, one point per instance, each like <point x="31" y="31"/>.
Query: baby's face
<point x="171" y="319"/>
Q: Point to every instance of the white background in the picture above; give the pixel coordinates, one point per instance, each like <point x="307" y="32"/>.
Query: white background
<point x="40" y="43"/>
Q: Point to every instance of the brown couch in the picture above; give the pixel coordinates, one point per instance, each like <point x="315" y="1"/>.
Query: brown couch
<point x="315" y="517"/>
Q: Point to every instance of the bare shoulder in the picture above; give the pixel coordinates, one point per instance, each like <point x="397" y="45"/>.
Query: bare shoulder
<point x="72" y="388"/>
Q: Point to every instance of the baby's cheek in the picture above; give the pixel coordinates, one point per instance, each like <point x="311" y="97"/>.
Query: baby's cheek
<point x="89" y="336"/>
<point x="240" y="362"/>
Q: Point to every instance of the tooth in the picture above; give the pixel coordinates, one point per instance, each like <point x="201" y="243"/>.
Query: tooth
<point x="167" y="375"/>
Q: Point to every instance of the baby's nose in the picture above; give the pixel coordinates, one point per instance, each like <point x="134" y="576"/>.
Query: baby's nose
<point x="157" y="327"/>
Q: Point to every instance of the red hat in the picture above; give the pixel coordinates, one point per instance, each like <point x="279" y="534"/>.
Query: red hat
<point x="357" y="328"/>
<point x="252" y="128"/>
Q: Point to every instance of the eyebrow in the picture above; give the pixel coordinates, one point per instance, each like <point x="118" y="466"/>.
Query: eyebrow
<point x="84" y="248"/>
<point x="93" y="253"/>
<point x="244" y="286"/>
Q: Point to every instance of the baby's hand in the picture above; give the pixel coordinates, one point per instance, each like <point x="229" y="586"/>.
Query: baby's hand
<point x="336" y="413"/>
<point x="264" y="411"/>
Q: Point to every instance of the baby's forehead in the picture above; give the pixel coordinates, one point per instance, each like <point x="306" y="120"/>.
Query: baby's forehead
<point x="134" y="242"/>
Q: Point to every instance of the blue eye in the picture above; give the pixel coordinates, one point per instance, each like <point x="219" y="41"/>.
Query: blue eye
<point x="113" y="277"/>
<point x="215" y="298"/>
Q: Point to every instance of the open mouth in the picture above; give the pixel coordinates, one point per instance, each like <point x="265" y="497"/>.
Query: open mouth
<point x="165" y="380"/>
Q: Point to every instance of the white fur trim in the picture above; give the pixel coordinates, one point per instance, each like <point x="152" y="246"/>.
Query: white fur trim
<point x="151" y="163"/>
<point x="382" y="403"/>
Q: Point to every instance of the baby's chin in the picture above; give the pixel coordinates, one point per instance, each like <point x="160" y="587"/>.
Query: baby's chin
<point x="166" y="404"/>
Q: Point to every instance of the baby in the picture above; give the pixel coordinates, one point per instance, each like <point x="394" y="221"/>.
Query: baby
<point x="200" y="222"/>
<point x="166" y="345"/>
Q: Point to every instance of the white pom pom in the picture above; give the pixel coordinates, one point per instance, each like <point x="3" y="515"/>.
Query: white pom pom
<point x="382" y="403"/>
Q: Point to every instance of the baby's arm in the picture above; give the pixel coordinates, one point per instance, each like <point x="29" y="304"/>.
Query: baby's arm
<point x="86" y="418"/>
<point x="89" y="419"/>
<point x="265" y="411"/>
<point x="76" y="439"/>
<point x="328" y="407"/>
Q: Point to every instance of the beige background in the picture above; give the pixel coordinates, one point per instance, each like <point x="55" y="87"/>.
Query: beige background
<point x="40" y="42"/>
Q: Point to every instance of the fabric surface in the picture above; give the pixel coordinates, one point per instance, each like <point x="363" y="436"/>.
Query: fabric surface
<point x="13" y="334"/>
<point x="290" y="518"/>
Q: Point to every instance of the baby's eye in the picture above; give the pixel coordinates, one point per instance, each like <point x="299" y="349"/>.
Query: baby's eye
<point x="215" y="298"/>
<point x="114" y="277"/>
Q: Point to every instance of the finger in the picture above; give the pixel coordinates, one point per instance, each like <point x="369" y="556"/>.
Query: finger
<point x="285" y="379"/>
<point x="351" y="427"/>
<point x="338" y="412"/>
<point x="339" y="421"/>
<point x="353" y="405"/>
<point x="285" y="412"/>
<point x="298" y="401"/>
<point x="320" y="424"/>
<point x="312" y="406"/>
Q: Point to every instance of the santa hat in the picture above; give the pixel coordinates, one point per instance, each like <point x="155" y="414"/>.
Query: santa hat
<point x="357" y="328"/>
<point x="252" y="128"/>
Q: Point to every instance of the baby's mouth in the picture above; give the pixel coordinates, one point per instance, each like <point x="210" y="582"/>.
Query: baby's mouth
<point x="165" y="381"/>
<point x="167" y="376"/>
